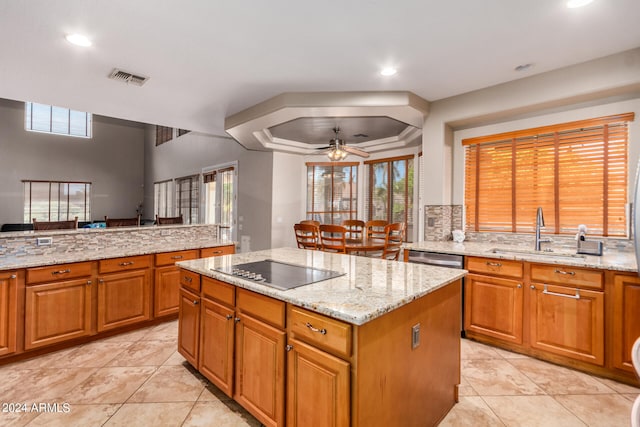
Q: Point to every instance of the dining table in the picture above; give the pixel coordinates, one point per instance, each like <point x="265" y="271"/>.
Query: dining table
<point x="364" y="245"/>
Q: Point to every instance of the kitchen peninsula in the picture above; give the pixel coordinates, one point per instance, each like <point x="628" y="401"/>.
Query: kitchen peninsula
<point x="64" y="287"/>
<point x="378" y="345"/>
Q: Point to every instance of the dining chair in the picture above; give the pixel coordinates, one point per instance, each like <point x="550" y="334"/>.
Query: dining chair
<point x="333" y="238"/>
<point x="122" y="222"/>
<point x="355" y="228"/>
<point x="55" y="225"/>
<point x="394" y="236"/>
<point x="310" y="221"/>
<point x="375" y="228"/>
<point x="168" y="220"/>
<point x="307" y="236"/>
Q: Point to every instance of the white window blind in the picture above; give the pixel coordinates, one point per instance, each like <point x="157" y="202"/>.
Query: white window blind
<point x="57" y="120"/>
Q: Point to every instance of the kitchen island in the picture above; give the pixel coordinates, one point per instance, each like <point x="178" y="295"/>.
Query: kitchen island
<point x="378" y="345"/>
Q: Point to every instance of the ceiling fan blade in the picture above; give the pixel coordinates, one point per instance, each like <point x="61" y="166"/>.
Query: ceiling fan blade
<point x="324" y="148"/>
<point x="356" y="151"/>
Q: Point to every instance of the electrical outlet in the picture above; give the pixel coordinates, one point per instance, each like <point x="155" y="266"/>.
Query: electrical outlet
<point x="44" y="241"/>
<point x="415" y="336"/>
<point x="431" y="221"/>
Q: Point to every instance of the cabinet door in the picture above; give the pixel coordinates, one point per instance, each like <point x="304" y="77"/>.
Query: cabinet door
<point x="626" y="327"/>
<point x="216" y="345"/>
<point x="166" y="291"/>
<point x="8" y="312"/>
<point x="568" y="322"/>
<point x="123" y="299"/>
<point x="493" y="307"/>
<point x="57" y="312"/>
<point x="318" y="387"/>
<point x="189" y="326"/>
<point x="259" y="374"/>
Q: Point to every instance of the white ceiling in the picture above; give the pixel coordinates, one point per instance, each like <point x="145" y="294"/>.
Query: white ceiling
<point x="209" y="59"/>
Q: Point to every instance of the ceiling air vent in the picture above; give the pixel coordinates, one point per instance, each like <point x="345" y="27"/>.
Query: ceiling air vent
<point x="127" y="77"/>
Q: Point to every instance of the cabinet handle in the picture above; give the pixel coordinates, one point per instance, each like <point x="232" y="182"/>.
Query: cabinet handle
<point x="533" y="287"/>
<point x="288" y="347"/>
<point x="310" y="326"/>
<point x="571" y="273"/>
<point x="519" y="285"/>
<point x="494" y="264"/>
<point x="236" y="320"/>
<point x="216" y="252"/>
<point x="547" y="292"/>
<point x="100" y="280"/>
<point x="176" y="257"/>
<point x="188" y="279"/>
<point x="195" y="302"/>
<point x="229" y="317"/>
<point x="126" y="263"/>
<point x="13" y="276"/>
<point x="61" y="271"/>
<point x="88" y="282"/>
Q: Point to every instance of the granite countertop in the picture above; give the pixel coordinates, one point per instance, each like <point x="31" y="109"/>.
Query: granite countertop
<point x="370" y="287"/>
<point x="610" y="260"/>
<point x="27" y="261"/>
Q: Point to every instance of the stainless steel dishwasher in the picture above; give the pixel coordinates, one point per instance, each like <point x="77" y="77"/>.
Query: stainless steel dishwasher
<point x="442" y="260"/>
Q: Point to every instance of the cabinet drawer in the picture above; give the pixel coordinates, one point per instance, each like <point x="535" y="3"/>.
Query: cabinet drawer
<point x="493" y="266"/>
<point x="190" y="280"/>
<point x="170" y="258"/>
<point x="261" y="307"/>
<point x="58" y="272"/>
<point x="218" y="291"/>
<point x="217" y="251"/>
<point x="567" y="276"/>
<point x="320" y="331"/>
<point x="124" y="264"/>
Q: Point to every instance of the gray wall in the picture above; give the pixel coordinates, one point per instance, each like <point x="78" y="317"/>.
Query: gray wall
<point x="190" y="153"/>
<point x="112" y="161"/>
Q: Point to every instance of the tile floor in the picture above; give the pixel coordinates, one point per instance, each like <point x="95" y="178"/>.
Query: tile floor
<point x="138" y="379"/>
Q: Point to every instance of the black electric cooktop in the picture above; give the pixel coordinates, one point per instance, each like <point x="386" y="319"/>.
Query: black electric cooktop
<point x="280" y="275"/>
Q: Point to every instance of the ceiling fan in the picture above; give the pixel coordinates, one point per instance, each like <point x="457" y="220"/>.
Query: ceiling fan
<point x="338" y="148"/>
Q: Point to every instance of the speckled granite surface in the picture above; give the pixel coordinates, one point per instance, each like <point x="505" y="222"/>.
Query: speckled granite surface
<point x="610" y="260"/>
<point x="19" y="250"/>
<point x="370" y="288"/>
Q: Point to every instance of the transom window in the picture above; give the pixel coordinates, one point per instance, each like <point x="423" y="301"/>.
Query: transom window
<point x="57" y="120"/>
<point x="332" y="192"/>
<point x="577" y="172"/>
<point x="56" y="201"/>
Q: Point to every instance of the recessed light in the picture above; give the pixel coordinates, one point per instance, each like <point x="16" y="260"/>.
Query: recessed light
<point x="572" y="4"/>
<point x="78" y="40"/>
<point x="523" y="67"/>
<point x="389" y="71"/>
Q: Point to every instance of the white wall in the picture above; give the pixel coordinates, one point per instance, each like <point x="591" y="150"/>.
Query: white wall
<point x="190" y="153"/>
<point x="582" y="91"/>
<point x="289" y="197"/>
<point x="111" y="160"/>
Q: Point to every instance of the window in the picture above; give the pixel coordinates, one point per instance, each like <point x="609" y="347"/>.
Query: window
<point x="390" y="191"/>
<point x="163" y="198"/>
<point x="57" y="120"/>
<point x="187" y="198"/>
<point x="220" y="198"/>
<point x="577" y="172"/>
<point x="332" y="192"/>
<point x="56" y="201"/>
<point x="165" y="134"/>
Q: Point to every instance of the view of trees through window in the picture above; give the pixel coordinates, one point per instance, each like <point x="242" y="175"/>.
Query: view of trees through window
<point x="332" y="192"/>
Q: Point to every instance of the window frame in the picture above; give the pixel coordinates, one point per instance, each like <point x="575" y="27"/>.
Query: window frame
<point x="558" y="160"/>
<point x="28" y="216"/>
<point x="166" y="208"/>
<point x="190" y="213"/>
<point x="352" y="211"/>
<point x="29" y="121"/>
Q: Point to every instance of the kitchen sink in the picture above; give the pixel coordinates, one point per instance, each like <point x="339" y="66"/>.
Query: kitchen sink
<point x="559" y="256"/>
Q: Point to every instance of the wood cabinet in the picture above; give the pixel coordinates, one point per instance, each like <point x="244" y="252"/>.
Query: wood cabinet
<point x="166" y="286"/>
<point x="57" y="304"/>
<point x="318" y="370"/>
<point x="566" y="312"/>
<point x="493" y="305"/>
<point x="217" y="251"/>
<point x="124" y="292"/>
<point x="189" y="326"/>
<point x="8" y="311"/>
<point x="626" y="327"/>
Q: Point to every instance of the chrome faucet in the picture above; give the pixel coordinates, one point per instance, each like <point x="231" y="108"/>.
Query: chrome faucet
<point x="539" y="225"/>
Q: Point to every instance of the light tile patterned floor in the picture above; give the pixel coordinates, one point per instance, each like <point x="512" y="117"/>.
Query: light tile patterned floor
<point x="138" y="379"/>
